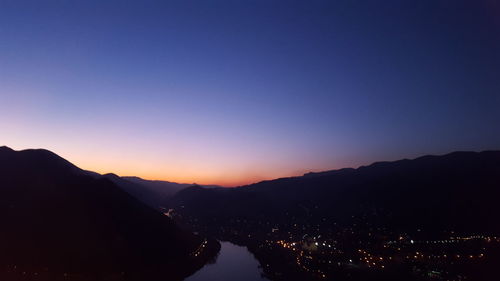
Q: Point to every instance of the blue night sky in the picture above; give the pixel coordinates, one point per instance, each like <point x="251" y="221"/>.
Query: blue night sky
<point x="232" y="92"/>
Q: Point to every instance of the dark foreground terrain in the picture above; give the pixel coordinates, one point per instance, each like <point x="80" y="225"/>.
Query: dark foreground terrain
<point x="431" y="218"/>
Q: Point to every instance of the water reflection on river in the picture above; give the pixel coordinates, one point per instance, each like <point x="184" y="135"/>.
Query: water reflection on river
<point x="233" y="263"/>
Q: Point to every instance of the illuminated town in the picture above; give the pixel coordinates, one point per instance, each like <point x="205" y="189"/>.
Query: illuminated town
<point x="307" y="252"/>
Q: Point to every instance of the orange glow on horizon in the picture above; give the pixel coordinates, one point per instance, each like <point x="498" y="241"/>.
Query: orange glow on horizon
<point x="200" y="178"/>
<point x="103" y="148"/>
<point x="104" y="162"/>
<point x="223" y="182"/>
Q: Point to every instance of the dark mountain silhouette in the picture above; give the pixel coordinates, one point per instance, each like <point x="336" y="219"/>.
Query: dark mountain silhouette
<point x="152" y="193"/>
<point x="455" y="191"/>
<point x="59" y="221"/>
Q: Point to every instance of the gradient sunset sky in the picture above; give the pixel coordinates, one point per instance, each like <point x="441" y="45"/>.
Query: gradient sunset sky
<point x="233" y="92"/>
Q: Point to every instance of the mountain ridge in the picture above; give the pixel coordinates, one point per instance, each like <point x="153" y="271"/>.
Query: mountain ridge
<point x="457" y="181"/>
<point x="58" y="219"/>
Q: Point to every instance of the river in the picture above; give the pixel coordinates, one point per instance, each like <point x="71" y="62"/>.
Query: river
<point x="233" y="263"/>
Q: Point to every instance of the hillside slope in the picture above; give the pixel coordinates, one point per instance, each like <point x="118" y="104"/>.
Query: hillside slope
<point x="56" y="220"/>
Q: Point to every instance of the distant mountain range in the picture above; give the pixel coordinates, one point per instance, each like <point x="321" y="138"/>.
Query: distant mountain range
<point x="154" y="193"/>
<point x="61" y="222"/>
<point x="457" y="191"/>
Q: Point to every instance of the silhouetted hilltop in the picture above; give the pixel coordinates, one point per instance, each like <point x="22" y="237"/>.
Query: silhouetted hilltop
<point x="459" y="190"/>
<point x="4" y="148"/>
<point x="39" y="161"/>
<point x="56" y="219"/>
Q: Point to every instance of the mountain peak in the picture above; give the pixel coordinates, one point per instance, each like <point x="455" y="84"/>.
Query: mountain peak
<point x="5" y="148"/>
<point x="111" y="175"/>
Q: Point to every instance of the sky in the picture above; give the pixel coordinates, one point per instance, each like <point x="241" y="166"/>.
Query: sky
<point x="234" y="92"/>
